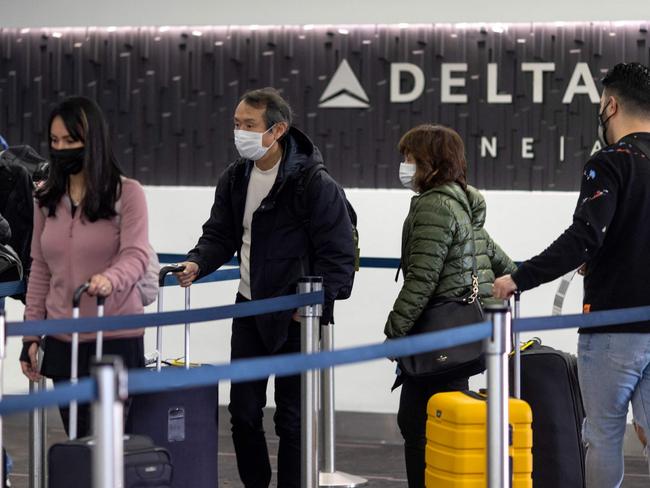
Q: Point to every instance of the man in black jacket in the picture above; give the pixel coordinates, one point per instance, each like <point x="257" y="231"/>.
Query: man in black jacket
<point x="611" y="236"/>
<point x="16" y="199"/>
<point x="281" y="231"/>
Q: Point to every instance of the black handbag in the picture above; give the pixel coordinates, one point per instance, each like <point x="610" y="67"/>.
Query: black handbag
<point x="442" y="314"/>
<point x="11" y="269"/>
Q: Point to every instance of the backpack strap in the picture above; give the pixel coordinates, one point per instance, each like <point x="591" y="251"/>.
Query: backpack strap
<point x="302" y="188"/>
<point x="640" y="145"/>
<point x="309" y="175"/>
<point x="637" y="143"/>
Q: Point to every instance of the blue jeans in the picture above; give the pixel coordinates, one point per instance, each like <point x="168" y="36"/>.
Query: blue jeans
<point x="614" y="370"/>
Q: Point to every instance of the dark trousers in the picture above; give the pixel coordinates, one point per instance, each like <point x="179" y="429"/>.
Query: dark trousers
<point x="247" y="401"/>
<point x="412" y="419"/>
<point x="56" y="366"/>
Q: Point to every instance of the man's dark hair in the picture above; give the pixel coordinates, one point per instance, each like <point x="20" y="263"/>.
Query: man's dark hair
<point x="277" y="108"/>
<point x="630" y="83"/>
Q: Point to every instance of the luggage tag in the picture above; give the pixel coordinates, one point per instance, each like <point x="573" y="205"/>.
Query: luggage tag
<point x="176" y="424"/>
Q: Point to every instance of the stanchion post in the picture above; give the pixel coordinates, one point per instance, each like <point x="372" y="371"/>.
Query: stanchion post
<point x="2" y="360"/>
<point x="309" y="331"/>
<point x="497" y="349"/>
<point x="37" y="435"/>
<point x="108" y="423"/>
<point x="329" y="476"/>
<point x="517" y="346"/>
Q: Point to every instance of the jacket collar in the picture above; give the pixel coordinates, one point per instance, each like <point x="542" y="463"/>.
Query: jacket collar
<point x="471" y="200"/>
<point x="298" y="155"/>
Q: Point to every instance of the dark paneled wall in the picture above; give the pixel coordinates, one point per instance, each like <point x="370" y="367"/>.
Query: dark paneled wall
<point x="169" y="94"/>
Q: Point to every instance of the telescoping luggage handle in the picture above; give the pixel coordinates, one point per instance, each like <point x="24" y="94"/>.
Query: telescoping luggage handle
<point x="164" y="271"/>
<point x="74" y="361"/>
<point x="516" y="341"/>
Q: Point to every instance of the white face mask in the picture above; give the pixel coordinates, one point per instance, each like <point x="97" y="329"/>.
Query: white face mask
<point x="249" y="144"/>
<point x="406" y="174"/>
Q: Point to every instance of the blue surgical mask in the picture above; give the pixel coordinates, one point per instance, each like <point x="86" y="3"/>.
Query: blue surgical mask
<point x="249" y="144"/>
<point x="406" y="174"/>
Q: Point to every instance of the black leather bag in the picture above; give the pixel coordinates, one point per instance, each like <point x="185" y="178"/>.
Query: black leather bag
<point x="443" y="314"/>
<point x="455" y="362"/>
<point x="145" y="465"/>
<point x="11" y="269"/>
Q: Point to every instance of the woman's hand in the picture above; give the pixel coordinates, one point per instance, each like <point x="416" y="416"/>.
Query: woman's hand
<point x="30" y="369"/>
<point x="100" y="285"/>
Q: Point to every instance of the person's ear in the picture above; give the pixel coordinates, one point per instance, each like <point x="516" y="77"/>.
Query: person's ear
<point x="280" y="129"/>
<point x="613" y="106"/>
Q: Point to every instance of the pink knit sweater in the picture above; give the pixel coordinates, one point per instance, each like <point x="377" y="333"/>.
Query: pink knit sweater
<point x="67" y="251"/>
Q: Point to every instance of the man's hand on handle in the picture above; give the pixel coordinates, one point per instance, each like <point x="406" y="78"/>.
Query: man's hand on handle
<point x="504" y="287"/>
<point x="188" y="275"/>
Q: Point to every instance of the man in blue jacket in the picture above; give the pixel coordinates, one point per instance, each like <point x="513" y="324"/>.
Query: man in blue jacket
<point x="611" y="235"/>
<point x="282" y="229"/>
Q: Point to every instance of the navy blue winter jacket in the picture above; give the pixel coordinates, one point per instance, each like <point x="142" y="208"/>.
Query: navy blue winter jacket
<point x="294" y="233"/>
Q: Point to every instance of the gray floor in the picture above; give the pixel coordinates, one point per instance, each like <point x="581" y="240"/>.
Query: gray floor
<point x="379" y="462"/>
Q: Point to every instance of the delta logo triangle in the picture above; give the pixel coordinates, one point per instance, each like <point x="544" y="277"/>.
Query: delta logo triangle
<point x="344" y="90"/>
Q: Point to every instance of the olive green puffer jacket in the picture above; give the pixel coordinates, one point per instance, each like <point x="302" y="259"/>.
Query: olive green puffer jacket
<point x="437" y="252"/>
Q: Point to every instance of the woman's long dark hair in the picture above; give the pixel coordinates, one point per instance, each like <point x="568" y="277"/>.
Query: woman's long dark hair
<point x="85" y="122"/>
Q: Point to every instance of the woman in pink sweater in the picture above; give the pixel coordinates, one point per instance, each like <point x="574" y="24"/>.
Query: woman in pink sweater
<point x="78" y="238"/>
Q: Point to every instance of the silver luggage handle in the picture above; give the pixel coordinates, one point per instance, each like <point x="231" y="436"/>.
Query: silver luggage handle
<point x="164" y="271"/>
<point x="516" y="341"/>
<point x="74" y="361"/>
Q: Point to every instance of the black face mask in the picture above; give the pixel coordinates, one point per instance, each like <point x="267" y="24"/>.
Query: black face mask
<point x="602" y="126"/>
<point x="68" y="161"/>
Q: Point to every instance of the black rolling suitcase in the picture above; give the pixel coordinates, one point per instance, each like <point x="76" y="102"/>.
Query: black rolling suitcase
<point x="185" y="422"/>
<point x="145" y="465"/>
<point x="70" y="462"/>
<point x="549" y="383"/>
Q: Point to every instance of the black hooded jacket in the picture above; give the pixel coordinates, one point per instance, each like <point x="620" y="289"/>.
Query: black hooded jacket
<point x="288" y="241"/>
<point x="17" y="203"/>
<point x="5" y="231"/>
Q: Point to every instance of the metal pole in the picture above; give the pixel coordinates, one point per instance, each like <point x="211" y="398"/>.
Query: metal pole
<point x="516" y="345"/>
<point x="327" y="404"/>
<point x="497" y="348"/>
<point x="37" y="435"/>
<point x="108" y="423"/>
<point x="329" y="476"/>
<point x="2" y="359"/>
<point x="309" y="320"/>
<point x="74" y="372"/>
<point x="187" y="330"/>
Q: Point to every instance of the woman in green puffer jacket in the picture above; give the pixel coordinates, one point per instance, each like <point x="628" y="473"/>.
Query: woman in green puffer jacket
<point x="437" y="262"/>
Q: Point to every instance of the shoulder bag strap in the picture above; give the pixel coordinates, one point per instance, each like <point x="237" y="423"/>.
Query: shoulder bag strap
<point x="642" y="146"/>
<point x="474" y="294"/>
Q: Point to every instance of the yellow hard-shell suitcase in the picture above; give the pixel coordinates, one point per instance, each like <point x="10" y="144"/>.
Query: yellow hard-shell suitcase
<point x="456" y="455"/>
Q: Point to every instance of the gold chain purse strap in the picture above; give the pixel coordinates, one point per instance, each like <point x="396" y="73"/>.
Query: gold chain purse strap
<point x="474" y="295"/>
